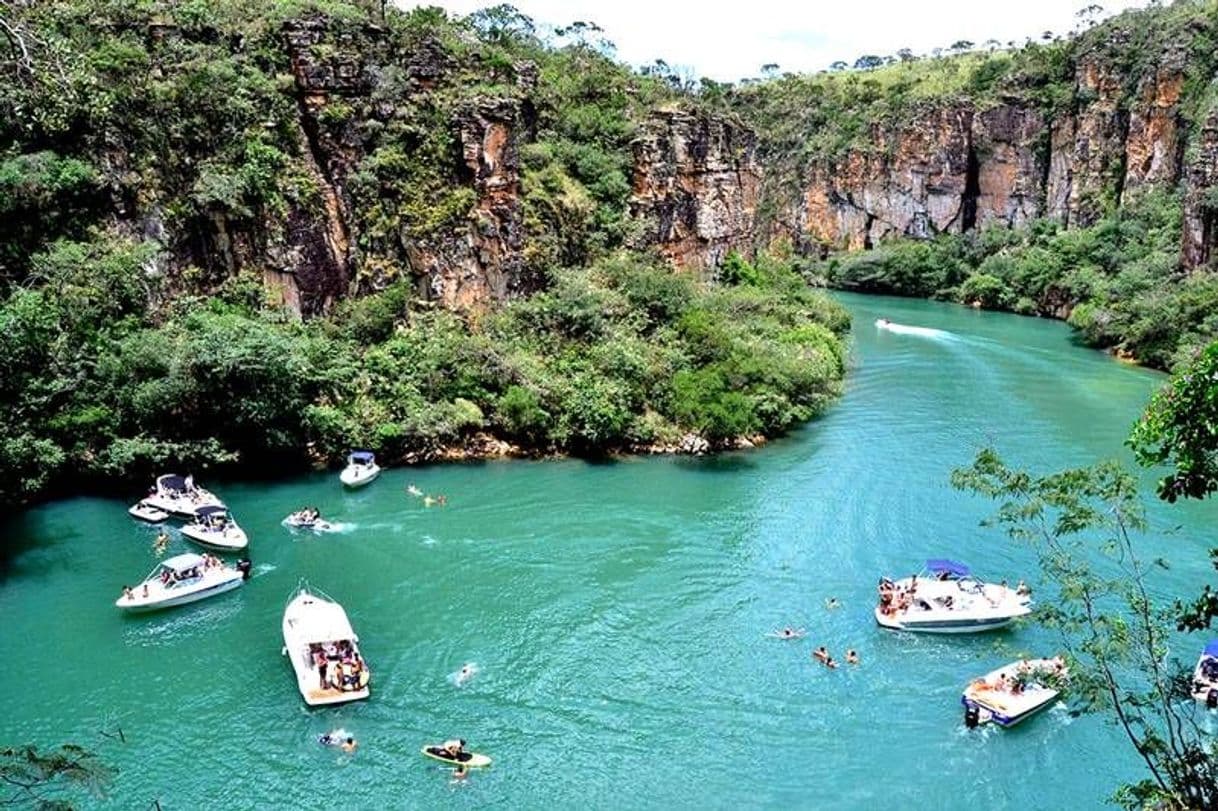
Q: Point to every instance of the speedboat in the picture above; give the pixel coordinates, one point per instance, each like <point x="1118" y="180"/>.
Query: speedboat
<point x="146" y="512"/>
<point x="183" y="579"/>
<point x="946" y="599"/>
<point x="178" y="495"/>
<point x="323" y="648"/>
<point x="1013" y="692"/>
<point x="214" y="528"/>
<point x="305" y="519"/>
<point x="360" y="470"/>
<point x="1205" y="677"/>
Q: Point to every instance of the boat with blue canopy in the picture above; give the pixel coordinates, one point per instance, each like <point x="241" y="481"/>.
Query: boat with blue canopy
<point x="175" y="495"/>
<point x="361" y="469"/>
<point x="214" y="528"/>
<point x="946" y="598"/>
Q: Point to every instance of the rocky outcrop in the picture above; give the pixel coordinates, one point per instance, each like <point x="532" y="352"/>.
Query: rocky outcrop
<point x="470" y="266"/>
<point x="1199" y="242"/>
<point x="696" y="185"/>
<point x="1009" y="165"/>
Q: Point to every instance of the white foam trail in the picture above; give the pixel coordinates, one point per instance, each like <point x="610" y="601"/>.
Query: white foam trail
<point x="428" y="540"/>
<point x="264" y="568"/>
<point x="924" y="332"/>
<point x="461" y="677"/>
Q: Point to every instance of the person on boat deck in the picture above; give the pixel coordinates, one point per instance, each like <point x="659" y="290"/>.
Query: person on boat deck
<point x="1022" y="588"/>
<point x="145" y="589"/>
<point x="130" y="595"/>
<point x="323" y="664"/>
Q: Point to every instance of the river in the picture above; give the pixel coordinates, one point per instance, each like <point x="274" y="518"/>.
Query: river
<point x="616" y="612"/>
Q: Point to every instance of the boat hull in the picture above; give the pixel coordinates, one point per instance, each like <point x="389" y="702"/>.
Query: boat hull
<point x="296" y="643"/>
<point x="953" y="626"/>
<point x="138" y="606"/>
<point x="361" y="477"/>
<point x="1004" y="720"/>
<point x="226" y="542"/>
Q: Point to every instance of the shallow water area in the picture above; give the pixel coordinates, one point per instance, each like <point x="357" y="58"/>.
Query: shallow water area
<point x="616" y="615"/>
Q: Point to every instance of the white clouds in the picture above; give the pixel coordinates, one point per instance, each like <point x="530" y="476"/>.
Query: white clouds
<point x="728" y="41"/>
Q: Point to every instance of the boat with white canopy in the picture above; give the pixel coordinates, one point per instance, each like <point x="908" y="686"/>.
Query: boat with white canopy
<point x="183" y="579"/>
<point x="178" y="495"/>
<point x="1013" y="693"/>
<point x="324" y="650"/>
<point x="361" y="469"/>
<point x="1205" y="676"/>
<point x="947" y="599"/>
<point x="214" y="528"/>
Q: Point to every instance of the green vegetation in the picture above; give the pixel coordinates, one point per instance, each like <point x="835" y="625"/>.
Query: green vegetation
<point x="47" y="779"/>
<point x="100" y="383"/>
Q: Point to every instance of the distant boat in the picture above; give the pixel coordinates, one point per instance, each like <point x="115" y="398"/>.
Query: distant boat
<point x="904" y="329"/>
<point x="323" y="648"/>
<point x="1205" y="676"/>
<point x="361" y="469"/>
<point x="946" y="599"/>
<point x="214" y="528"/>
<point x="178" y="495"/>
<point x="182" y="579"/>
<point x="1013" y="693"/>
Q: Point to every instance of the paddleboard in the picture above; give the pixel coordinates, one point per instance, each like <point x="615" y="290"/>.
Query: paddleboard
<point x="473" y="759"/>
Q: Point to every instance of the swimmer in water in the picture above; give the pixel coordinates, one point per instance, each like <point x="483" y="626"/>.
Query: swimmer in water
<point x="852" y="658"/>
<point x="161" y="543"/>
<point x="428" y="501"/>
<point x="821" y="654"/>
<point x="832" y="603"/>
<point x="465" y="673"/>
<point x="461" y="772"/>
<point x="413" y="491"/>
<point x="829" y="663"/>
<point x="336" y="737"/>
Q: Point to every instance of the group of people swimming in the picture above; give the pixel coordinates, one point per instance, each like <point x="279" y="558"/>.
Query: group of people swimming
<point x="339" y="666"/>
<point x="428" y="500"/>
<point x="822" y="655"/>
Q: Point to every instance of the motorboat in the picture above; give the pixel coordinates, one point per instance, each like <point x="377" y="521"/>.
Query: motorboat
<point x="183" y="579"/>
<point x="947" y="599"/>
<point x="1205" y="676"/>
<point x="361" y="469"/>
<point x="1013" y="692"/>
<point x="178" y="495"/>
<point x="324" y="650"/>
<point x="146" y="512"/>
<point x="308" y="519"/>
<point x="214" y="528"/>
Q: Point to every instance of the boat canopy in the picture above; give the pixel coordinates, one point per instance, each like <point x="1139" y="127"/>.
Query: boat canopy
<point x="1211" y="649"/>
<point x="180" y="563"/>
<point x="363" y="457"/>
<point x="171" y="481"/>
<point x="210" y="509"/>
<point x="323" y="622"/>
<point x="943" y="565"/>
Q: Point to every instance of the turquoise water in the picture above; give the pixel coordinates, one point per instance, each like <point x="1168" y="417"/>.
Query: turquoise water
<point x="616" y="613"/>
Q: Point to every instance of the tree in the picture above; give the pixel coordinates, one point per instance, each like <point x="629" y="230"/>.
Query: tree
<point x="960" y="46"/>
<point x="867" y="62"/>
<point x="1082" y="524"/>
<point x="502" y="23"/>
<point x="769" y="70"/>
<point x="40" y="779"/>
<point x="839" y="65"/>
<point x="906" y="55"/>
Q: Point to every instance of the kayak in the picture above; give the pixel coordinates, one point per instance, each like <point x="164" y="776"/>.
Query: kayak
<point x="471" y="760"/>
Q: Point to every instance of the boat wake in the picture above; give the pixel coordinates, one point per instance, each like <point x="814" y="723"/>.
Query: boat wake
<point x="922" y="332"/>
<point x="264" y="568"/>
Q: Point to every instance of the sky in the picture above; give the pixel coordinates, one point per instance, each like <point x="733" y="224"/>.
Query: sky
<point x="728" y="41"/>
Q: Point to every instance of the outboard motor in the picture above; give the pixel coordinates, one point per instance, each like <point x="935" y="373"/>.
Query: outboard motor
<point x="1211" y="699"/>
<point x="972" y="716"/>
<point x="244" y="566"/>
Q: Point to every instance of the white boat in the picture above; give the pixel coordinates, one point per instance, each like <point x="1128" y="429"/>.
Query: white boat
<point x="304" y="519"/>
<point x="146" y="512"/>
<point x="178" y="495"/>
<point x="214" y="528"/>
<point x="360" y="470"/>
<point x="183" y="579"/>
<point x="323" y="648"/>
<point x="1013" y="692"/>
<point x="1205" y="676"/>
<point x="947" y="599"/>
